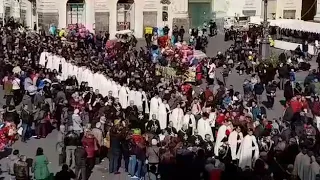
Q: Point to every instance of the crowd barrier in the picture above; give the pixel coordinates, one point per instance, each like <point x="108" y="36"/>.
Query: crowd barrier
<point x="291" y="46"/>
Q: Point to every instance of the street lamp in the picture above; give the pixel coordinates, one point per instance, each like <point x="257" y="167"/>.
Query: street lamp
<point x="265" y="44"/>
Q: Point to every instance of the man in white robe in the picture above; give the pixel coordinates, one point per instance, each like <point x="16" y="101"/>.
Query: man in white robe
<point x="154" y="106"/>
<point x="123" y="96"/>
<point x="177" y="117"/>
<point x="132" y="95"/>
<point x="314" y="167"/>
<point x="248" y="146"/>
<point x="297" y="168"/>
<point x="190" y="120"/>
<point x="164" y="109"/>
<point x="306" y="165"/>
<point x="138" y="99"/>
<point x="204" y="126"/>
<point x="114" y="89"/>
<point x="234" y="140"/>
<point x="220" y="136"/>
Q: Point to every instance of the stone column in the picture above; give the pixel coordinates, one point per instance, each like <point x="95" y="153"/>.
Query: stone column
<point x="90" y="16"/>
<point x="62" y="8"/>
<point x="29" y="17"/>
<point x="113" y="18"/>
<point x="317" y="16"/>
<point x="138" y="18"/>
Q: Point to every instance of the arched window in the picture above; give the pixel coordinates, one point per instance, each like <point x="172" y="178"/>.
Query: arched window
<point x="125" y="14"/>
<point x="75" y="12"/>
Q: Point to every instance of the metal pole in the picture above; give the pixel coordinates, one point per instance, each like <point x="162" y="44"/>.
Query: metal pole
<point x="3" y="14"/>
<point x="265" y="44"/>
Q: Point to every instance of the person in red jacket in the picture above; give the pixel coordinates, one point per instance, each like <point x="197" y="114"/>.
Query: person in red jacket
<point x="90" y="144"/>
<point x="295" y="105"/>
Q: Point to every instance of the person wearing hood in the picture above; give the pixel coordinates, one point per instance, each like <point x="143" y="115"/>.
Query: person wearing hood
<point x="77" y="122"/>
<point x="13" y="158"/>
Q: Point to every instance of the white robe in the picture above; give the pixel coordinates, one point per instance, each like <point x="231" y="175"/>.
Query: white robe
<point x="314" y="170"/>
<point x="297" y="165"/>
<point x="212" y="118"/>
<point x="50" y="62"/>
<point x="306" y="162"/>
<point x="145" y="100"/>
<point x="123" y="96"/>
<point x="186" y="120"/>
<point x="138" y="99"/>
<point x="176" y="117"/>
<point x="233" y="143"/>
<point x="154" y="107"/>
<point x="163" y="112"/>
<point x="114" y="89"/>
<point x="220" y="135"/>
<point x="245" y="152"/>
<point x="131" y="96"/>
<point x="42" y="60"/>
<point x="204" y="128"/>
<point x="56" y="62"/>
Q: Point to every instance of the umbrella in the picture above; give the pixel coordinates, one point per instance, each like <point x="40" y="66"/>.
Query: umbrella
<point x="199" y="54"/>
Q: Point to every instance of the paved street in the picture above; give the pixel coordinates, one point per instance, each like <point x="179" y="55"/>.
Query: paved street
<point x="101" y="171"/>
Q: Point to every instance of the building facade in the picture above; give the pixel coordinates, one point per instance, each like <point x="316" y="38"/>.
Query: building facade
<point x="100" y="15"/>
<point x="285" y="9"/>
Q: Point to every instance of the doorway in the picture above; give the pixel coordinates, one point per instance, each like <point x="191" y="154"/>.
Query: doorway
<point x="75" y="12"/>
<point x="199" y="12"/>
<point x="125" y="15"/>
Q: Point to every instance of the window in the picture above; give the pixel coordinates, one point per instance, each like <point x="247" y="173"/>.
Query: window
<point x="289" y="14"/>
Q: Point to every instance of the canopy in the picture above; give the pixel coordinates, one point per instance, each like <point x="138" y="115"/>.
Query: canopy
<point x="292" y="24"/>
<point x="199" y="54"/>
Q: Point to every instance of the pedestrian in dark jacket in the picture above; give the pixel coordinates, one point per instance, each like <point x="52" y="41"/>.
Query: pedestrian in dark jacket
<point x="81" y="159"/>
<point x="258" y="91"/>
<point x="21" y="169"/>
<point x="65" y="173"/>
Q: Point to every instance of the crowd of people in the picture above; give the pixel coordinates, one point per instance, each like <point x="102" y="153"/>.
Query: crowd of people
<point x="108" y="102"/>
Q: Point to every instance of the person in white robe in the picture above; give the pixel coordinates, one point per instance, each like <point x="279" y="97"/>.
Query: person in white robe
<point x="138" y="99"/>
<point x="123" y="96"/>
<point x="50" y="62"/>
<point x="248" y="146"/>
<point x="297" y="168"/>
<point x="234" y="140"/>
<point x="132" y="95"/>
<point x="164" y="109"/>
<point x="55" y="62"/>
<point x="176" y="117"/>
<point x="220" y="136"/>
<point x="306" y="164"/>
<point x="204" y="126"/>
<point x="154" y="106"/>
<point x="212" y="118"/>
<point x="145" y="102"/>
<point x="314" y="167"/>
<point x="189" y="119"/>
<point x="114" y="88"/>
<point x="42" y="60"/>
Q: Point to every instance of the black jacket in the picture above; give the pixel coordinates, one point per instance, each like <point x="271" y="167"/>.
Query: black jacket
<point x="258" y="89"/>
<point x="71" y="139"/>
<point x="80" y="157"/>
